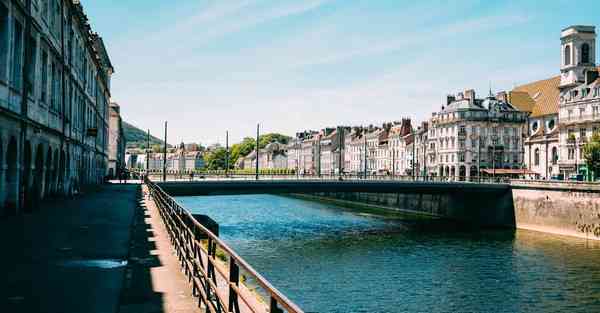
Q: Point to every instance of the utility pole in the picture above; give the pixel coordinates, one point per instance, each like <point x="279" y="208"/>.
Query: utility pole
<point x="148" y="153"/>
<point x="425" y="159"/>
<point x="257" y="138"/>
<point x="393" y="162"/>
<point x="226" y="153"/>
<point x="340" y="149"/>
<point x="365" y="156"/>
<point x="479" y="158"/>
<point x="414" y="143"/>
<point x="493" y="160"/>
<point x="165" y="155"/>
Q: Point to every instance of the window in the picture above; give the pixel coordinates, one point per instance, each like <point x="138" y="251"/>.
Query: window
<point x="551" y="124"/>
<point x="582" y="133"/>
<point x="571" y="154"/>
<point x="52" y="80"/>
<point x="567" y="55"/>
<point x="585" y="53"/>
<point x="17" y="57"/>
<point x="44" y="94"/>
<point x="31" y="59"/>
<point x="3" y="42"/>
<point x="536" y="157"/>
<point x="554" y="155"/>
<point x="595" y="111"/>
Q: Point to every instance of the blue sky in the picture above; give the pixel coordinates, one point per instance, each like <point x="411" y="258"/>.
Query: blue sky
<point x="208" y="66"/>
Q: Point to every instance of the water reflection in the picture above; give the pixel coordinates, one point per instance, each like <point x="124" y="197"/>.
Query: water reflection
<point x="331" y="259"/>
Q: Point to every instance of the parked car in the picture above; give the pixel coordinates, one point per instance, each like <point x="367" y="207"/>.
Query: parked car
<point x="558" y="177"/>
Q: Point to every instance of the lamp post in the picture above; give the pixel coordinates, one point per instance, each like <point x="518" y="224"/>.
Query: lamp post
<point x="257" y="138"/>
<point x="226" y="153"/>
<point x="165" y="155"/>
<point x="148" y="153"/>
<point x="365" y="157"/>
<point x="414" y="144"/>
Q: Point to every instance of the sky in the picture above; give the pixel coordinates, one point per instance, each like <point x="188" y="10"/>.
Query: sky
<point x="208" y="66"/>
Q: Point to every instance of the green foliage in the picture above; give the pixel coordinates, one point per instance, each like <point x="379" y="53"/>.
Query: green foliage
<point x="137" y="138"/>
<point x="266" y="139"/>
<point x="591" y="153"/>
<point x="248" y="145"/>
<point x="215" y="159"/>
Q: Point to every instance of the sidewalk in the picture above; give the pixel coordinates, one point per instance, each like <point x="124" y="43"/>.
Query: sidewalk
<point x="78" y="256"/>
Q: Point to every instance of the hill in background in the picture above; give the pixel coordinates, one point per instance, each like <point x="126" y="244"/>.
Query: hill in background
<point x="136" y="138"/>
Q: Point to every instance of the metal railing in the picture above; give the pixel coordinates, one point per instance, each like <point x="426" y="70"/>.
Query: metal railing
<point x="216" y="272"/>
<point x="335" y="177"/>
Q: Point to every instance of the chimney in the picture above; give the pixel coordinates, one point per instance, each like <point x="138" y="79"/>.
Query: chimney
<point x="470" y="94"/>
<point x="502" y="96"/>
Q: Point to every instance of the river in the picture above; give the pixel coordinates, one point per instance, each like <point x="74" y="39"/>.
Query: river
<point x="328" y="258"/>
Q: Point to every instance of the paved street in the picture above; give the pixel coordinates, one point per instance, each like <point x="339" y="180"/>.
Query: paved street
<point x="105" y="251"/>
<point x="67" y="256"/>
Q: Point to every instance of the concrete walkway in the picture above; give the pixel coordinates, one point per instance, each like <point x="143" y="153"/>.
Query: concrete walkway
<point x="155" y="282"/>
<point x="78" y="256"/>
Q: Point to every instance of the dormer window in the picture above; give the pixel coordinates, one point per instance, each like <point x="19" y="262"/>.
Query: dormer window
<point x="551" y="124"/>
<point x="535" y="126"/>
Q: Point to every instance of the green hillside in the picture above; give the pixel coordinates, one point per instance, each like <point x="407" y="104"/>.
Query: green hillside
<point x="136" y="138"/>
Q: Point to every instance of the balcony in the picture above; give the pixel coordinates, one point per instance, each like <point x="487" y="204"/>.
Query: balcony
<point x="571" y="120"/>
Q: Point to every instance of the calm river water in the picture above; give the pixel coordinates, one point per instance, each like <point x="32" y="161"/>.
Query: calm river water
<point x="331" y="259"/>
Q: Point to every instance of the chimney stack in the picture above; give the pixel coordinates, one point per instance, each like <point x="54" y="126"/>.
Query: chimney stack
<point x="470" y="95"/>
<point x="502" y="96"/>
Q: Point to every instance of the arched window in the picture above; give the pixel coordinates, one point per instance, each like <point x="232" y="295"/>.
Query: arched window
<point x="554" y="156"/>
<point x="536" y="157"/>
<point x="585" y="53"/>
<point x="567" y="55"/>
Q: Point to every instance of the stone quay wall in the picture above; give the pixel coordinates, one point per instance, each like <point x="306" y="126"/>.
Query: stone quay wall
<point x="571" y="209"/>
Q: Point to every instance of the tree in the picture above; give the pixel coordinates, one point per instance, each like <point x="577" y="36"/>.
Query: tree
<point x="215" y="159"/>
<point x="157" y="148"/>
<point x="591" y="153"/>
<point x="266" y="139"/>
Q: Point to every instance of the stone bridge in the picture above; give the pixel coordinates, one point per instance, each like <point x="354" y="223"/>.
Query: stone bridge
<point x="488" y="205"/>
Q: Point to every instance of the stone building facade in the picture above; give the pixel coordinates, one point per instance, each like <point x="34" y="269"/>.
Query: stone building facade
<point x="54" y="102"/>
<point x="116" y="142"/>
<point x="474" y="136"/>
<point x="579" y="102"/>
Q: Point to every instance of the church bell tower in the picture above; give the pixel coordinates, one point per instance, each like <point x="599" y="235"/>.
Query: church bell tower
<point x="578" y="54"/>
